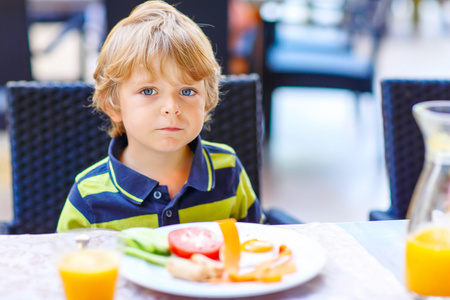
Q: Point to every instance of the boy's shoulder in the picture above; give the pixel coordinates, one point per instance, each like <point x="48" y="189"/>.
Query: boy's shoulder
<point x="222" y="156"/>
<point x="96" y="169"/>
<point x="214" y="147"/>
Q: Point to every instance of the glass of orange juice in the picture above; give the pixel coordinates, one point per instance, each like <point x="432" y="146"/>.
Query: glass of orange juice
<point x="88" y="263"/>
<point x="427" y="256"/>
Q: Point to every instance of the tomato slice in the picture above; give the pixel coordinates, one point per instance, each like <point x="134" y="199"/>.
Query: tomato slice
<point x="185" y="242"/>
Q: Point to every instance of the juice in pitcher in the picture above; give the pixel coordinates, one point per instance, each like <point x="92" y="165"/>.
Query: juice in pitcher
<point x="89" y="274"/>
<point x="427" y="257"/>
<point x="428" y="261"/>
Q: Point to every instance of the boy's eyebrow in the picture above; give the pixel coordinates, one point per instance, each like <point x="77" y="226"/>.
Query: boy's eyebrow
<point x="178" y="81"/>
<point x="143" y="81"/>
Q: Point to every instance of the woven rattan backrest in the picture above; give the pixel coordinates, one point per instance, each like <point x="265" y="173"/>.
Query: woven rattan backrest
<point x="404" y="147"/>
<point x="54" y="136"/>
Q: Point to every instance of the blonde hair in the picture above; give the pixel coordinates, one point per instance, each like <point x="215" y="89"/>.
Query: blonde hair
<point x="153" y="30"/>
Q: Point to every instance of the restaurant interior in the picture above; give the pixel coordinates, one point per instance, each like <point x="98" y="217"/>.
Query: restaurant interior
<point x="321" y="98"/>
<point x="323" y="155"/>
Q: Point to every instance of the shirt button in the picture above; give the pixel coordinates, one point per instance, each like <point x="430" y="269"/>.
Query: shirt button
<point x="157" y="194"/>
<point x="168" y="213"/>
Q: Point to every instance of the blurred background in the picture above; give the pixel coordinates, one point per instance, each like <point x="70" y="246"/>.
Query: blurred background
<point x="320" y="61"/>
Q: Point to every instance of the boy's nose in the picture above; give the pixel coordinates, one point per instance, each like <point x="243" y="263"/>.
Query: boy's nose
<point x="175" y="111"/>
<point x="171" y="107"/>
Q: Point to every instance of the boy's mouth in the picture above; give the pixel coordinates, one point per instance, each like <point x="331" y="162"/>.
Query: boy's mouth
<point x="170" y="129"/>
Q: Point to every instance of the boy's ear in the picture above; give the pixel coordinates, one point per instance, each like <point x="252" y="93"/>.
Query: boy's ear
<point x="113" y="114"/>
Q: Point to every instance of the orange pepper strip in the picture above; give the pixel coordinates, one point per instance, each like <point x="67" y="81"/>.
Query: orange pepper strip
<point x="257" y="246"/>
<point x="243" y="277"/>
<point x="284" y="250"/>
<point x="274" y="278"/>
<point x="276" y="272"/>
<point x="232" y="253"/>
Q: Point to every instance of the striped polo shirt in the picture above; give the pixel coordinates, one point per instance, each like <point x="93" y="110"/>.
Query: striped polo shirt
<point x="110" y="195"/>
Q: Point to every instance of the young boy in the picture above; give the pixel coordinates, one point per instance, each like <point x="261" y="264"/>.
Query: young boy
<point x="157" y="80"/>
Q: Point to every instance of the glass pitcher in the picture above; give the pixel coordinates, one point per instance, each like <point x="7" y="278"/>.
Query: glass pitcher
<point x="427" y="265"/>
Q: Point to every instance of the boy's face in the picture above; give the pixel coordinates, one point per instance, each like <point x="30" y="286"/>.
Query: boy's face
<point x="163" y="114"/>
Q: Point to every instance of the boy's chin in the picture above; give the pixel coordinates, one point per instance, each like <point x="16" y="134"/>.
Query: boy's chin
<point x="170" y="147"/>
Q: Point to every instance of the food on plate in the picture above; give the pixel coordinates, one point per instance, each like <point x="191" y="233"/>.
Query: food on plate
<point x="199" y="254"/>
<point x="156" y="259"/>
<point x="254" y="252"/>
<point x="197" y="268"/>
<point x="250" y="259"/>
<point x="146" y="239"/>
<point x="268" y="271"/>
<point x="147" y="244"/>
<point x="271" y="270"/>
<point x="257" y="246"/>
<point x="185" y="242"/>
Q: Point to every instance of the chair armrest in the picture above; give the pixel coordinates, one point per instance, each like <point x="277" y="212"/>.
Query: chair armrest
<point x="278" y="217"/>
<point x="379" y="215"/>
<point x="4" y="228"/>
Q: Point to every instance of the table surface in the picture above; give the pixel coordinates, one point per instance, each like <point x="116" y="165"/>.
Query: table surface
<point x="364" y="261"/>
<point x="384" y="240"/>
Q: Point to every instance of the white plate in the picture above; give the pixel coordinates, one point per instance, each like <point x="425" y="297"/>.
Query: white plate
<point x="309" y="259"/>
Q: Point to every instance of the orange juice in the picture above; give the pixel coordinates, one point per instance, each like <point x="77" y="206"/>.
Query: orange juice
<point x="428" y="262"/>
<point x="89" y="274"/>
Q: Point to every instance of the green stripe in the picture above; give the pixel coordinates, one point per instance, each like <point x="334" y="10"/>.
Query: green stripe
<point x="223" y="160"/>
<point x="219" y="145"/>
<point x="245" y="186"/>
<point x="71" y="218"/>
<point x="208" y="212"/>
<point x="138" y="221"/>
<point x="82" y="174"/>
<point x="263" y="218"/>
<point x="96" y="185"/>
<point x="208" y="164"/>
<point x="244" y="191"/>
<point x="120" y="188"/>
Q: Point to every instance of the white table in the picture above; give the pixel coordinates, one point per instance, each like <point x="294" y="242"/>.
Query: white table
<point x="385" y="240"/>
<point x="364" y="261"/>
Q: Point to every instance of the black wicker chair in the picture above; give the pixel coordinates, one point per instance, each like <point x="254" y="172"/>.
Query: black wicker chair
<point x="54" y="136"/>
<point x="404" y="146"/>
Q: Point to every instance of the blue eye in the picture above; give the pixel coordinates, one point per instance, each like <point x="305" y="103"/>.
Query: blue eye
<point x="187" y="92"/>
<point x="148" y="91"/>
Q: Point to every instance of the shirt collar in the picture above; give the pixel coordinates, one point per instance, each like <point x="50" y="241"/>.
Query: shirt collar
<point x="135" y="187"/>
<point x="202" y="175"/>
